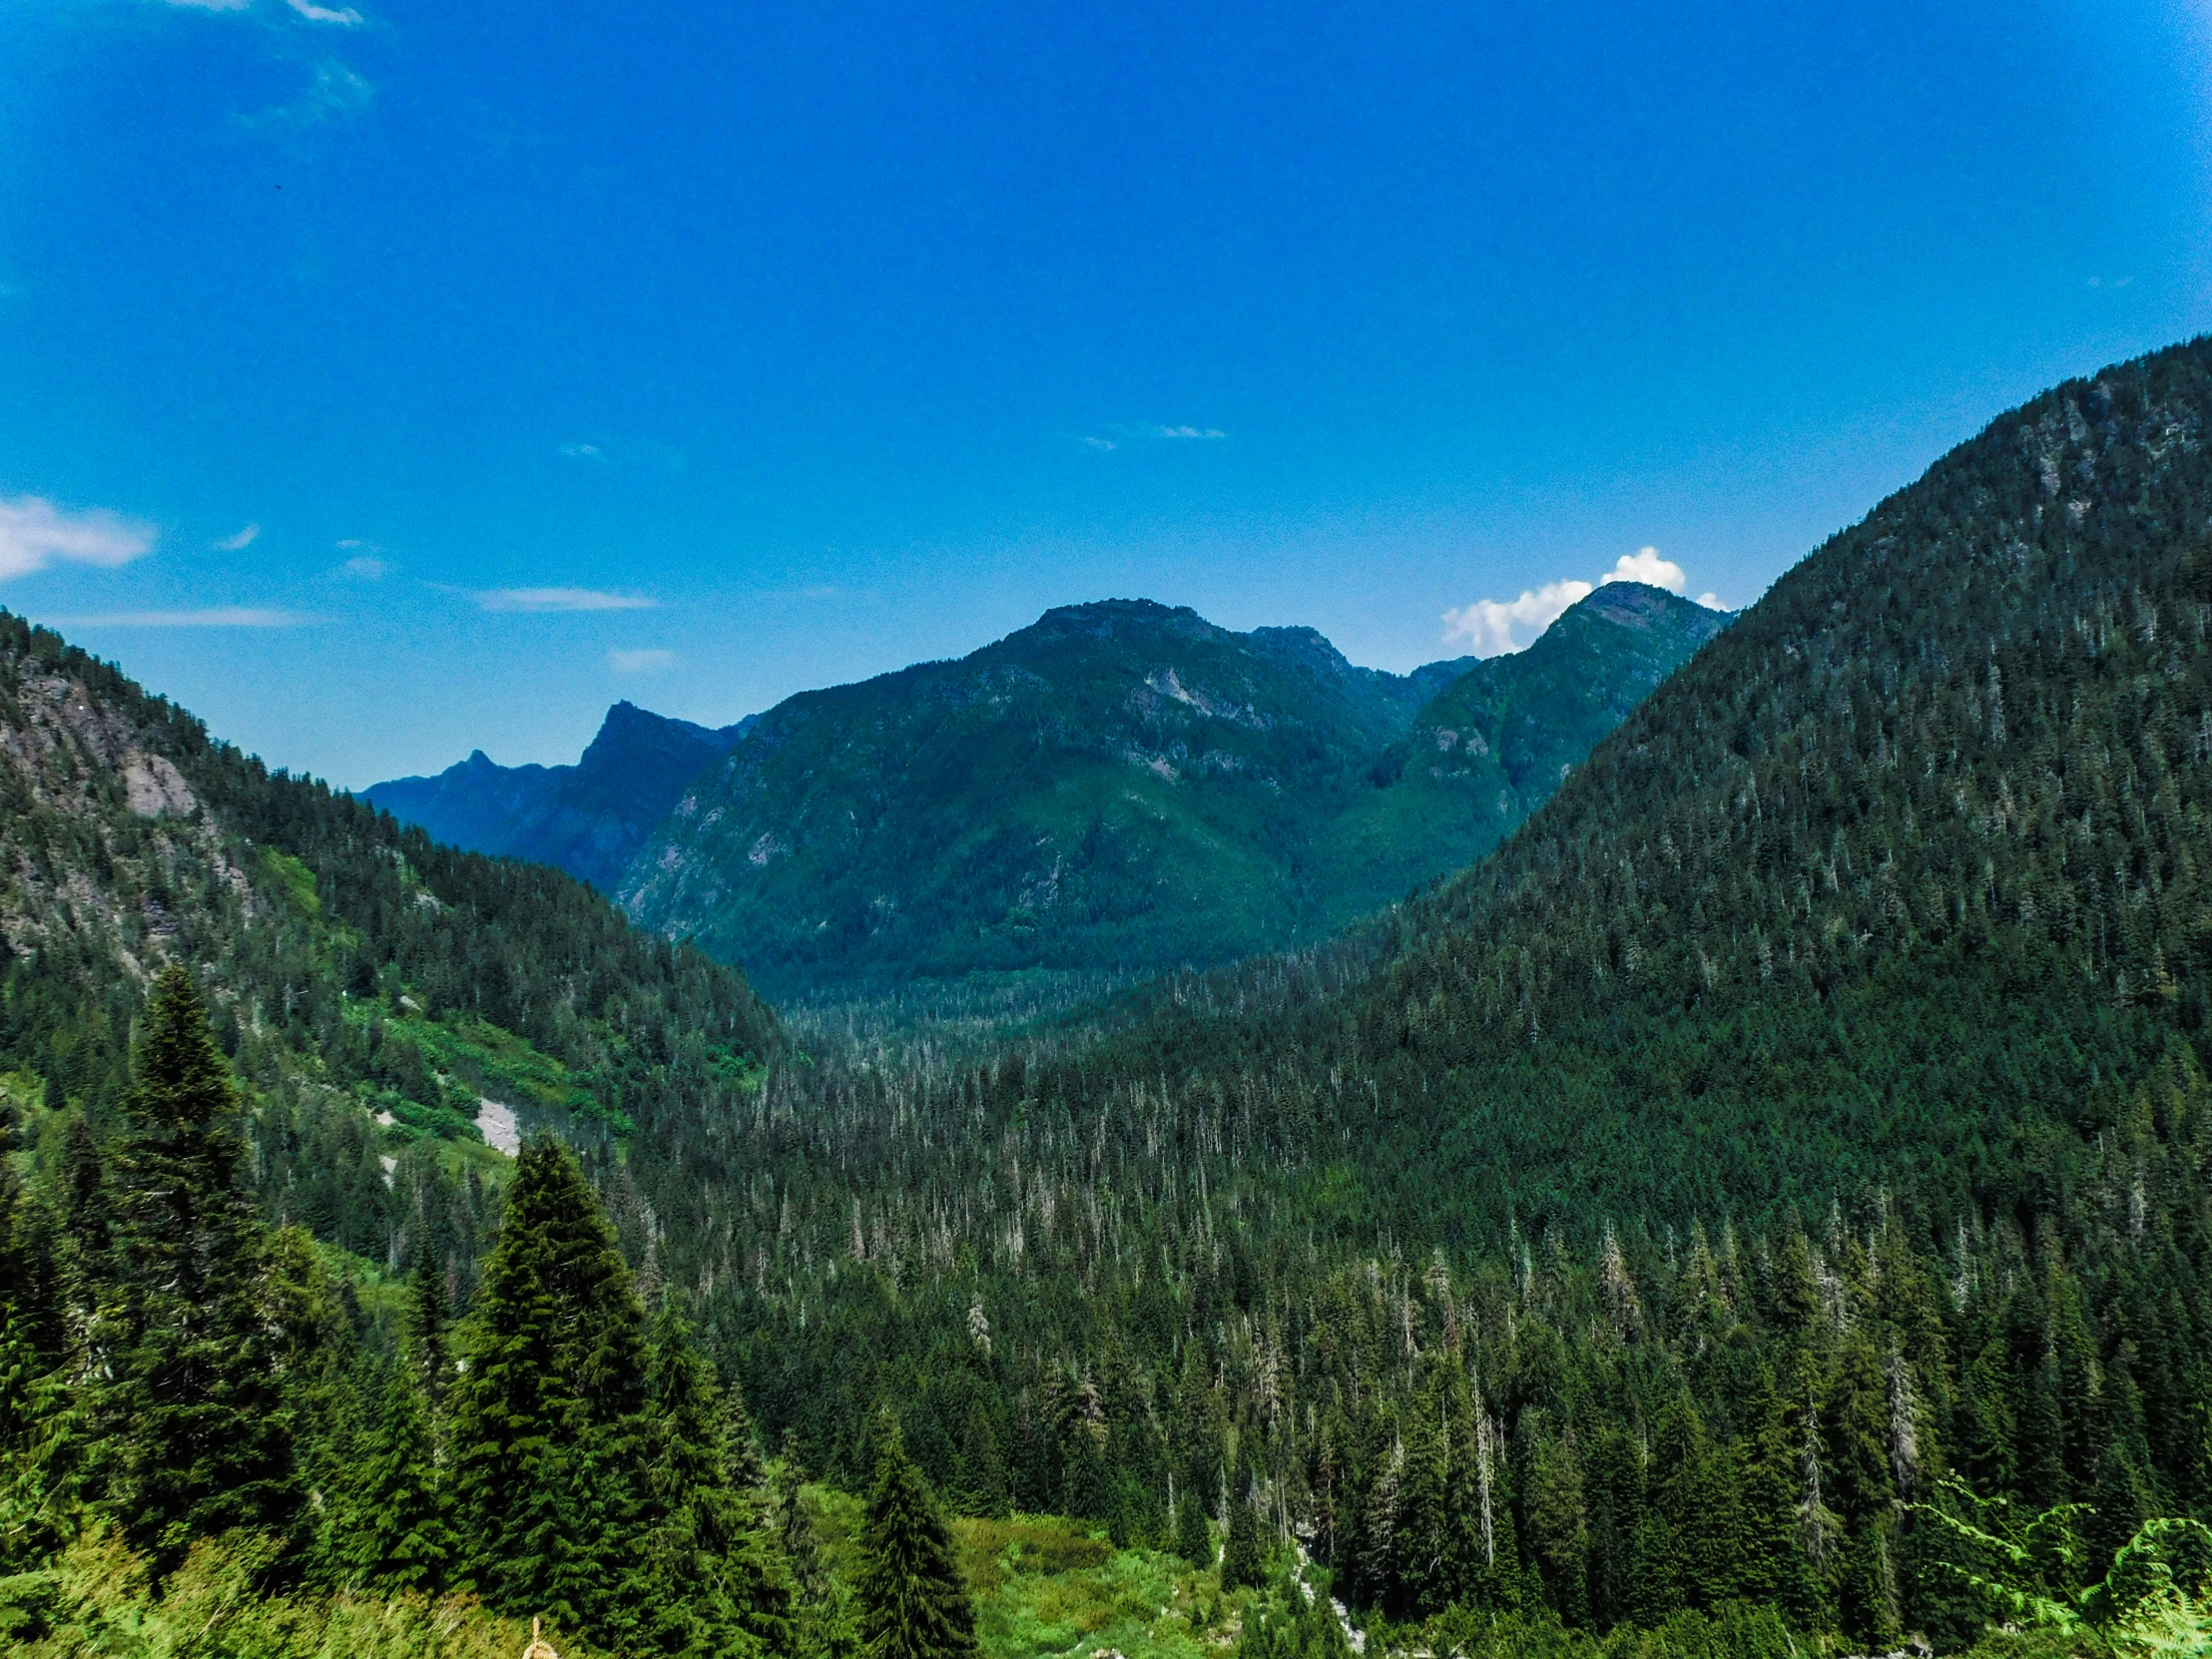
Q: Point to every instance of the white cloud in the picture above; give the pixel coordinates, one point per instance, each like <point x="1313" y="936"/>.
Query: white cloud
<point x="364" y="565"/>
<point x="35" y="533"/>
<point x="218" y="616"/>
<point x="1492" y="627"/>
<point x="640" y="662"/>
<point x="213" y="5"/>
<point x="1645" y="565"/>
<point x="313" y="13"/>
<point x="240" y="542"/>
<point x="562" y="598"/>
<point x="1100" y="443"/>
<point x="1189" y="432"/>
<point x="583" y="451"/>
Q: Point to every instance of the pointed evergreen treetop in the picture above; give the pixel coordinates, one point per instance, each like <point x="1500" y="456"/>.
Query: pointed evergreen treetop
<point x="555" y="1372"/>
<point x="915" y="1604"/>
<point x="741" y="1446"/>
<point x="194" y="1439"/>
<point x="179" y="1078"/>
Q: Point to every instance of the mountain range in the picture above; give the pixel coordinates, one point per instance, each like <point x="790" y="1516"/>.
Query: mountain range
<point x="1759" y="1205"/>
<point x="1119" y="786"/>
<point x="588" y="819"/>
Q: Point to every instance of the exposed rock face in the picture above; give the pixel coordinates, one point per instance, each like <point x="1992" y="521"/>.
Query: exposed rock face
<point x="589" y="818"/>
<point x="74" y="766"/>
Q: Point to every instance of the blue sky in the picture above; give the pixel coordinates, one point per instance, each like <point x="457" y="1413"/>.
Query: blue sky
<point x="387" y="381"/>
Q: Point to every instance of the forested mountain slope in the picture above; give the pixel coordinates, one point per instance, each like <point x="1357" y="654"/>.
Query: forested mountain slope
<point x="371" y="987"/>
<point x="1900" y="883"/>
<point x="589" y="818"/>
<point x="1127" y="787"/>
<point x="1489" y="747"/>
<point x="1776" y="1179"/>
<point x="1804" y="1108"/>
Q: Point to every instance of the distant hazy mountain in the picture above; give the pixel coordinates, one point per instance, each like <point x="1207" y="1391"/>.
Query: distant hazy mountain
<point x="588" y="819"/>
<point x="1122" y="786"/>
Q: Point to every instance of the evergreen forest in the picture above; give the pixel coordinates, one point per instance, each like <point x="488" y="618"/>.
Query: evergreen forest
<point x="1764" y="1208"/>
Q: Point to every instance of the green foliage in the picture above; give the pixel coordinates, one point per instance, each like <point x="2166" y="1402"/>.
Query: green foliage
<point x="1124" y="788"/>
<point x="98" y="1599"/>
<point x="913" y="1602"/>
<point x="187" y="1436"/>
<point x="1194" y="1534"/>
<point x="714" y="1582"/>
<point x="1295" y="1624"/>
<point x="1243" y="1565"/>
<point x="399" y="1538"/>
<point x="2029" y="1572"/>
<point x="548" y="1479"/>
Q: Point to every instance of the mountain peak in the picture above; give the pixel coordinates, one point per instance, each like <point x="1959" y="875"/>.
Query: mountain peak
<point x="1308" y="646"/>
<point x="585" y="819"/>
<point x="1634" y="604"/>
<point x="1109" y="618"/>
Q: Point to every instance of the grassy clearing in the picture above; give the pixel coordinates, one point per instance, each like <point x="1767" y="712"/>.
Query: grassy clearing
<point x="1048" y="1586"/>
<point x="475" y="1057"/>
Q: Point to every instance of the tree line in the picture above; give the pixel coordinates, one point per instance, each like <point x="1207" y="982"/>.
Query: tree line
<point x="179" y="1374"/>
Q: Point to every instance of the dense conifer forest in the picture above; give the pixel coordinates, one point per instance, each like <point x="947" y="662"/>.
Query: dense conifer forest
<point x="1761" y="1209"/>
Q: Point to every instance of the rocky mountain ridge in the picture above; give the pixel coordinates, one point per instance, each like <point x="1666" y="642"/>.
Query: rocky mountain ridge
<point x="588" y="819"/>
<point x="1124" y="786"/>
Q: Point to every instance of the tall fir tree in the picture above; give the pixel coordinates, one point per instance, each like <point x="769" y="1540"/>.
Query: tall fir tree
<point x="716" y="1583"/>
<point x="1243" y="1563"/>
<point x="548" y="1469"/>
<point x="793" y="1525"/>
<point x="193" y="1434"/>
<point x="399" y="1536"/>
<point x="741" y="1442"/>
<point x="426" y="1322"/>
<point x="1194" y="1532"/>
<point x="914" y="1603"/>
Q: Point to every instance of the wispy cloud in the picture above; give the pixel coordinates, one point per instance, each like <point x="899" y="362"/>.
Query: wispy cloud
<point x="1152" y="432"/>
<point x="647" y="660"/>
<point x="583" y="453"/>
<point x="367" y="566"/>
<point x="1492" y="627"/>
<point x="344" y="15"/>
<point x="212" y="5"/>
<point x="240" y="542"/>
<point x="563" y="599"/>
<point x="34" y="533"/>
<point x="217" y="616"/>
<point x="333" y="93"/>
